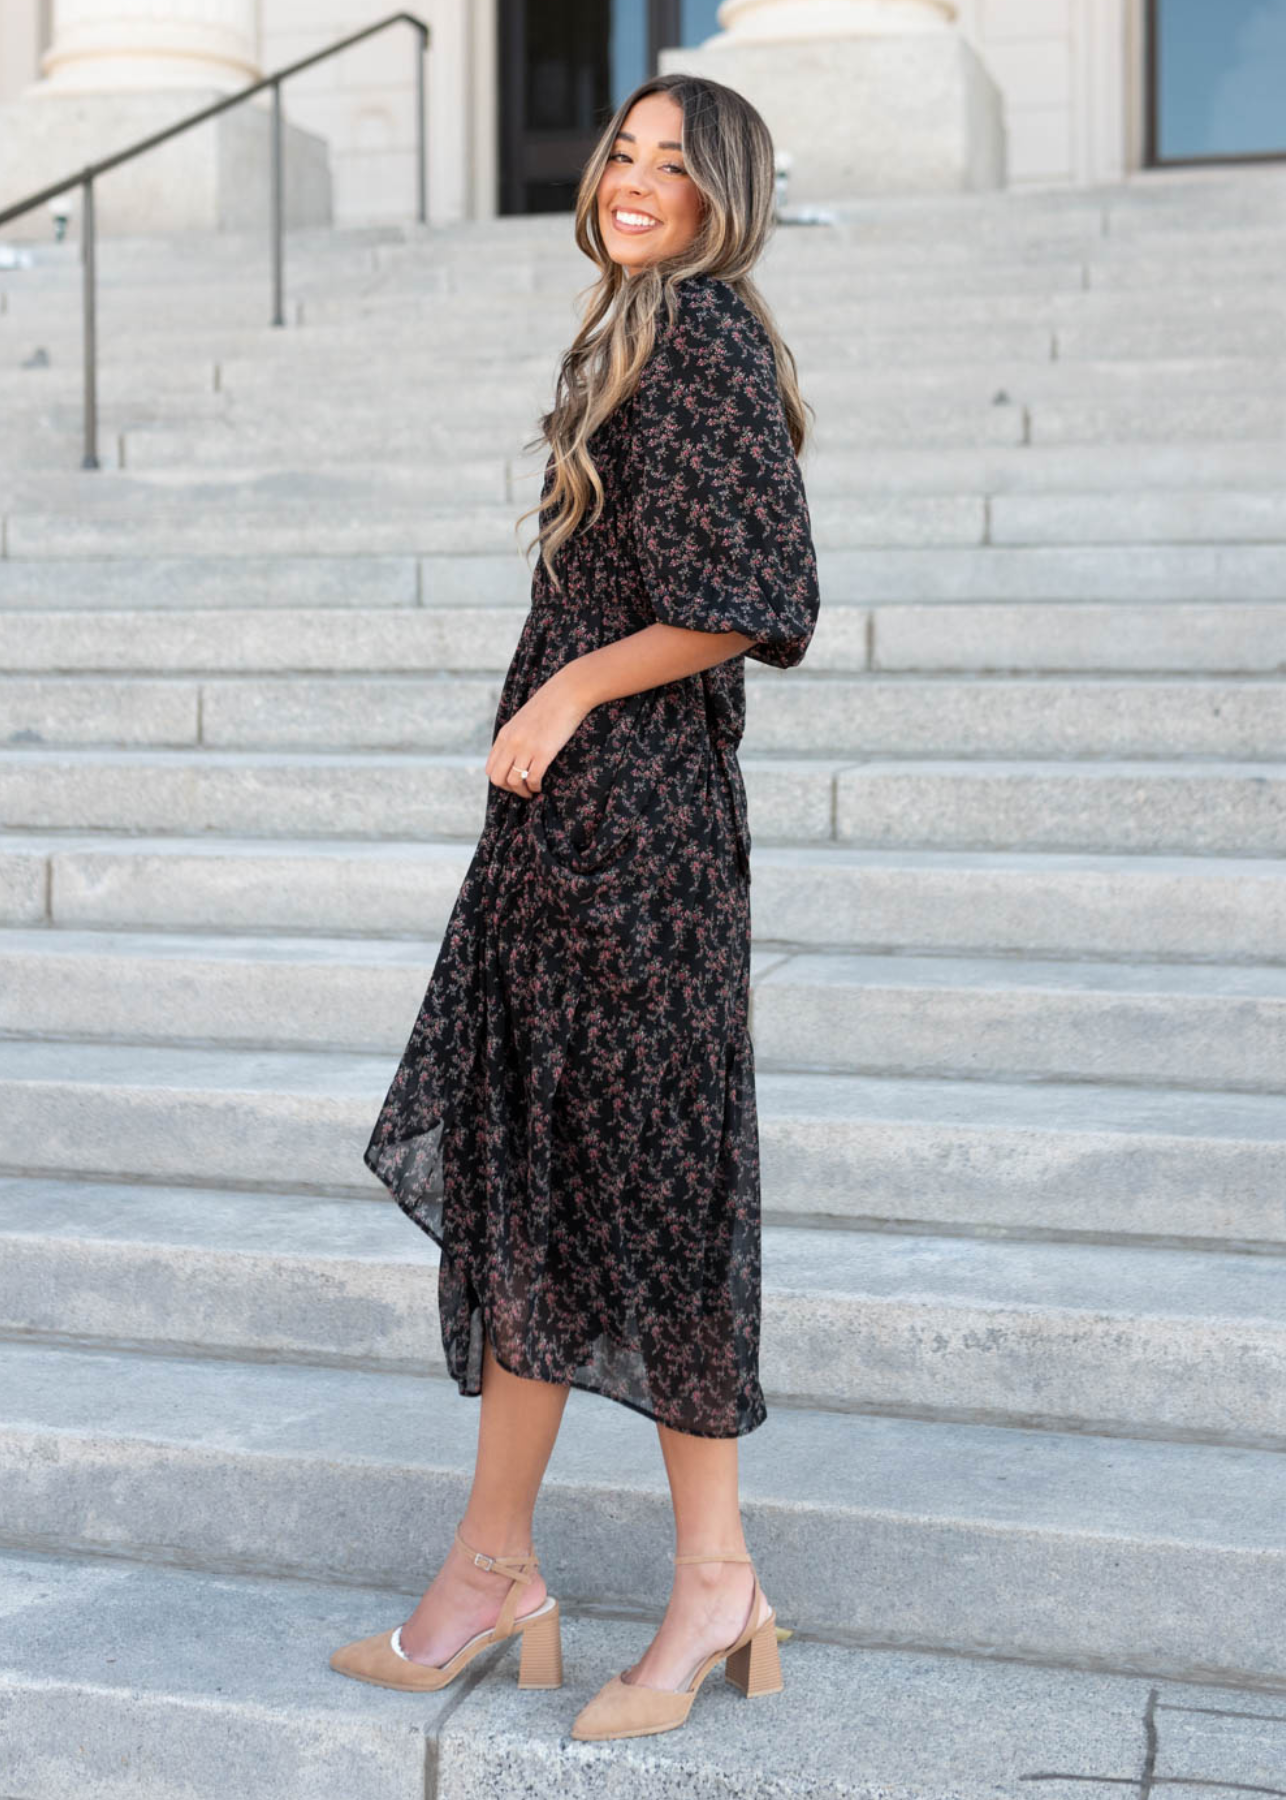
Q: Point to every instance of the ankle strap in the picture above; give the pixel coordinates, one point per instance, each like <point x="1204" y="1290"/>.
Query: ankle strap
<point x="714" y="1556"/>
<point x="519" y="1569"/>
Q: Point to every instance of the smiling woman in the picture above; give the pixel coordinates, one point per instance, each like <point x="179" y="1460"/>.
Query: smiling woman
<point x="648" y="205"/>
<point x="574" y="1117"/>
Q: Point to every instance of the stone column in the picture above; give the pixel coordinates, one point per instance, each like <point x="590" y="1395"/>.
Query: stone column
<point x="106" y="45"/>
<point x="119" y="70"/>
<point x="866" y="96"/>
<point x="747" y="19"/>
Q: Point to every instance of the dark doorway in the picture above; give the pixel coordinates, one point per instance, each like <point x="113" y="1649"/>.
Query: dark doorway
<point x="565" y="65"/>
<point x="1216" y="81"/>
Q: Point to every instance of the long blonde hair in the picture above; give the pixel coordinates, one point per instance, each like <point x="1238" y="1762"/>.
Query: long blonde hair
<point x="728" y="153"/>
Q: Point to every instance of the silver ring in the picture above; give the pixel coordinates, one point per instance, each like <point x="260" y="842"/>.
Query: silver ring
<point x="523" y="774"/>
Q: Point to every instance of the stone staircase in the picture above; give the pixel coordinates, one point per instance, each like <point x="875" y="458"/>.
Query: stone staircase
<point x="1019" y="895"/>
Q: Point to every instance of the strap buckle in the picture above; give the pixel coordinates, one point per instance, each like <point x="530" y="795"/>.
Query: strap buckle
<point x="483" y="1562"/>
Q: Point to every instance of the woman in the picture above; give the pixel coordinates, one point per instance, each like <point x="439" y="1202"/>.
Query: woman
<point x="574" y="1118"/>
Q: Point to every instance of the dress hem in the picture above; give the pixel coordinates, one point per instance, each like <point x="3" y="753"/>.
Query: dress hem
<point x="584" y="1387"/>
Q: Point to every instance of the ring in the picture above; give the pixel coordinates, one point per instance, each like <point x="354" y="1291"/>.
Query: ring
<point x="523" y="774"/>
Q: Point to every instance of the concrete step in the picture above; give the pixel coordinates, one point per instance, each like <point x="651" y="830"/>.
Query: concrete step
<point x="1073" y="1160"/>
<point x="1103" y="220"/>
<point x="500" y="288"/>
<point x="1181" y="417"/>
<point x="59" y="377"/>
<point x="501" y="395"/>
<point x="838" y="714"/>
<point x="521" y="319"/>
<point x="1002" y="469"/>
<point x="1171" y="517"/>
<point x="237" y="300"/>
<point x="260" y="448"/>
<point x="242" y="1705"/>
<point x="200" y="988"/>
<point x="468" y="529"/>
<point x="1079" y="573"/>
<point x="1109" y="224"/>
<point x="260" y="437"/>
<point x="1049" y="637"/>
<point x="1114" y="807"/>
<point x="362" y="381"/>
<point x="135" y="492"/>
<point x="1150" y="907"/>
<point x="1157" y="1556"/>
<point x="1188" y="809"/>
<point x="1163" y="1343"/>
<point x="1195" y="1025"/>
<point x="905" y="520"/>
<point x="301" y="795"/>
<point x="1258" y="265"/>
<point x="253" y="382"/>
<point x="813" y="326"/>
<point x="1256" y="334"/>
<point x="822" y="308"/>
<point x="824" y="300"/>
<point x="486" y="479"/>
<point x="71" y="709"/>
<point x="1248" y="265"/>
<point x="827" y="467"/>
<point x="1129" y="574"/>
<point x="42" y="436"/>
<point x="1199" y="1025"/>
<point x="219" y="583"/>
<point x="430" y="712"/>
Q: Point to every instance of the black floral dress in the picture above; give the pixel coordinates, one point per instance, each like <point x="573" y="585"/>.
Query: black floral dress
<point x="573" y="1120"/>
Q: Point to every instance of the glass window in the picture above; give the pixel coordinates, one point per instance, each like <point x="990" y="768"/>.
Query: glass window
<point x="629" y="47"/>
<point x="1221" y="78"/>
<point x="698" y="21"/>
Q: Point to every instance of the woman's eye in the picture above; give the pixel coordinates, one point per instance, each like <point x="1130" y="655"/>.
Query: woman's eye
<point x="625" y="153"/>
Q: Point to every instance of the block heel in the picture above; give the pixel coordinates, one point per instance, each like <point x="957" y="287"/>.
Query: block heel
<point x="541" y="1662"/>
<point x="624" y="1708"/>
<point x="383" y="1662"/>
<point x="756" y="1667"/>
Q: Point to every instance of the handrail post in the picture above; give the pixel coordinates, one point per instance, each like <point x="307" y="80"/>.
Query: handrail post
<point x="278" y="208"/>
<point x="278" y="202"/>
<point x="421" y="145"/>
<point x="90" y="458"/>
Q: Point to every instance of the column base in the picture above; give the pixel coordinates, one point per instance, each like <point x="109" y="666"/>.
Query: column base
<point x="215" y="177"/>
<point x="917" y="113"/>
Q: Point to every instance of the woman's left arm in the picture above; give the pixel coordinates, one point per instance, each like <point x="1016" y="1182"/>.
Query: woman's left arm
<point x="532" y="738"/>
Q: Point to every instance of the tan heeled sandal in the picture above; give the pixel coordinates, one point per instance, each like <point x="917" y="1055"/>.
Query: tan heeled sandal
<point x="627" y="1709"/>
<point x="382" y="1661"/>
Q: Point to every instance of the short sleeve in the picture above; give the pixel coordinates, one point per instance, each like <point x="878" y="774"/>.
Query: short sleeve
<point x="719" y="515"/>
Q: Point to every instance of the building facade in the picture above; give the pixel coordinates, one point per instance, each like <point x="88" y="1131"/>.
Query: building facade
<point x="1091" y="90"/>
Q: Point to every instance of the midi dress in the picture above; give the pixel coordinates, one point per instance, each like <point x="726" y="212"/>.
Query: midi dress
<point x="573" y="1120"/>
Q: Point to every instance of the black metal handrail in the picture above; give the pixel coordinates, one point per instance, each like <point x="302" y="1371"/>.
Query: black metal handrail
<point x="87" y="175"/>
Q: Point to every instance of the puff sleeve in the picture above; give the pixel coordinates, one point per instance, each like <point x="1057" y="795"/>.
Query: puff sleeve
<point x="718" y="512"/>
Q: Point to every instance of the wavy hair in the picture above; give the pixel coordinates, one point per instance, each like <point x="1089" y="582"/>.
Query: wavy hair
<point x="728" y="153"/>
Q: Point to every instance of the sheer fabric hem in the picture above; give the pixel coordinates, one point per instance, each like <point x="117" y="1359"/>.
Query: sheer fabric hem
<point x="411" y="1170"/>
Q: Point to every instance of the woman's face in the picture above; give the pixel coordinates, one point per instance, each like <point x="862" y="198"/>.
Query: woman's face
<point x="646" y="176"/>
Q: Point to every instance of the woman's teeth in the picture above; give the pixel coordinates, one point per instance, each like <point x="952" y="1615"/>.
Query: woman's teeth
<point x="633" y="221"/>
